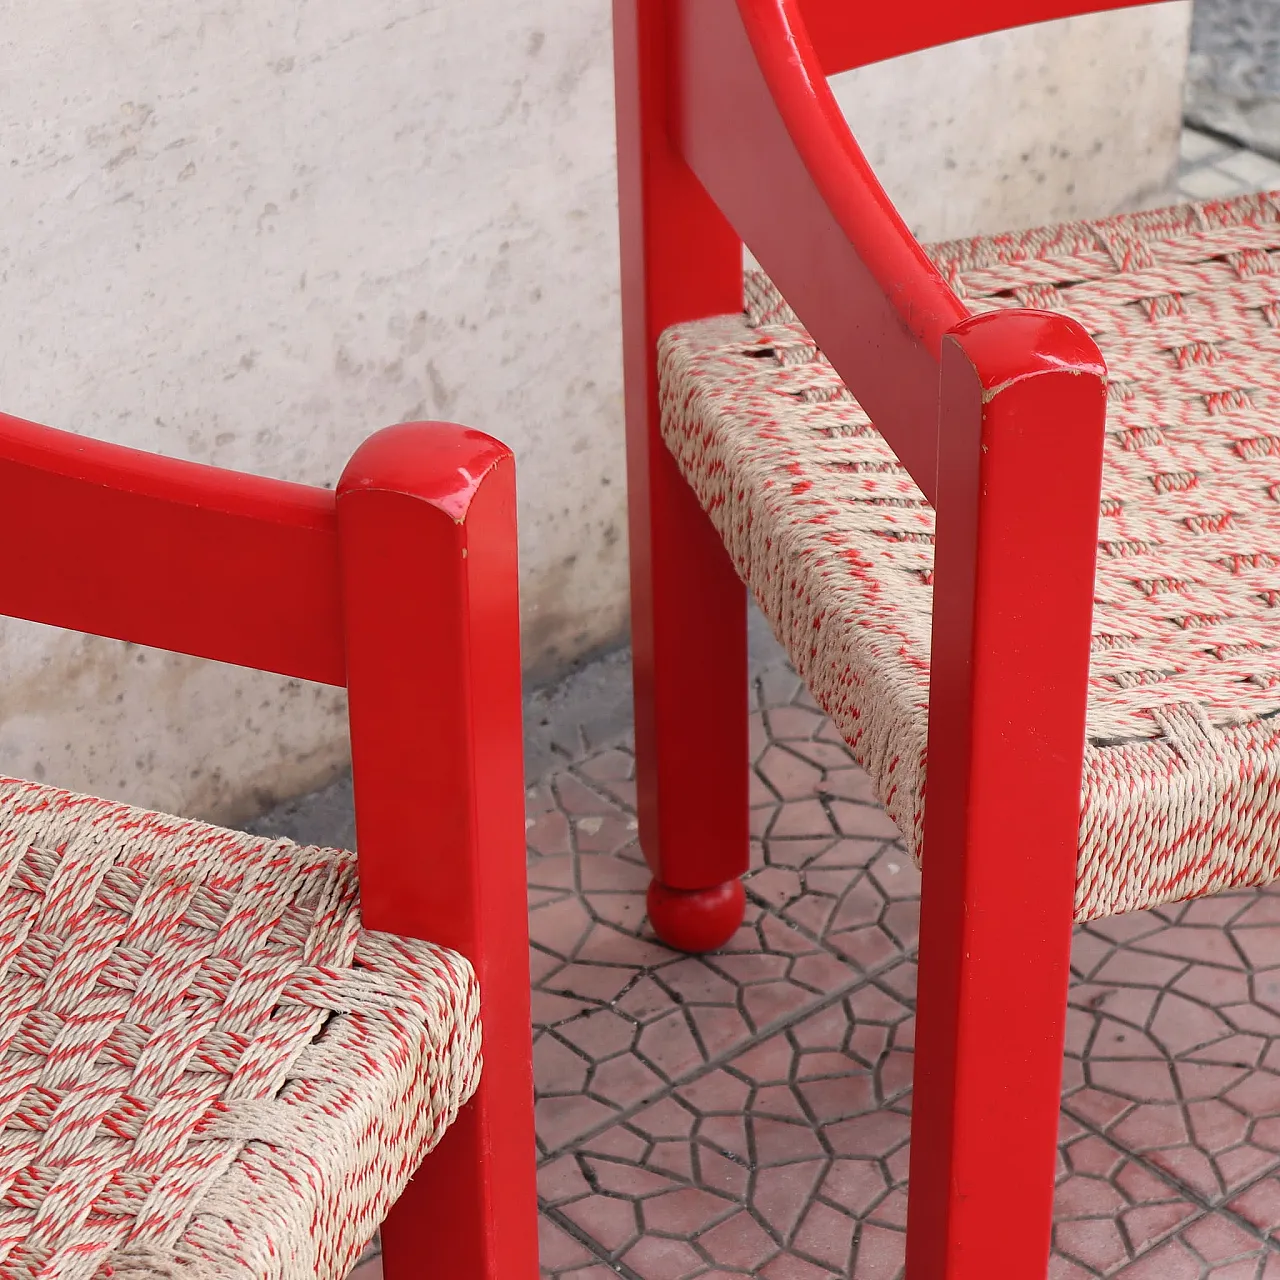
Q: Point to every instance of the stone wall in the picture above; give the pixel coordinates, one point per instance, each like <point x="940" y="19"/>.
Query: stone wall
<point x="251" y="233"/>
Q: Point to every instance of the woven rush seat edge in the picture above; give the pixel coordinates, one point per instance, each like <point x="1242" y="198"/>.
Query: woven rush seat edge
<point x="1181" y="791"/>
<point x="210" y="1070"/>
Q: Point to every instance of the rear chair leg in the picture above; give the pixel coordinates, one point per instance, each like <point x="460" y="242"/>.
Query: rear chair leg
<point x="689" y="635"/>
<point x="680" y="260"/>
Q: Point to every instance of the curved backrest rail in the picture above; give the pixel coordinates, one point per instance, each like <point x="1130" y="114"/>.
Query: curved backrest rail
<point x="176" y="555"/>
<point x="847" y="35"/>
<point x="757" y="123"/>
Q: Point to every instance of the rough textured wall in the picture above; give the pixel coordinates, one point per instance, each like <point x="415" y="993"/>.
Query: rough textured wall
<point x="1018" y="128"/>
<point x="252" y="233"/>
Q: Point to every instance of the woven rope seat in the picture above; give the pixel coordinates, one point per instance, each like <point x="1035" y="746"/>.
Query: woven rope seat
<point x="209" y="1070"/>
<point x="1182" y="765"/>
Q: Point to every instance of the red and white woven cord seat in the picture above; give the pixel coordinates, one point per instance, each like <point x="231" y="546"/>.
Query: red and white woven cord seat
<point x="1182" y="767"/>
<point x="209" y="1070"/>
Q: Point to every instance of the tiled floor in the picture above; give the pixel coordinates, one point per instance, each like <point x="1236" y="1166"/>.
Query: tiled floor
<point x="746" y="1113"/>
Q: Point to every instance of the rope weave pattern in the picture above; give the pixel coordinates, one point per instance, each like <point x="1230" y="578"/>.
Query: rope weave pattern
<point x="1182" y="769"/>
<point x="208" y="1070"/>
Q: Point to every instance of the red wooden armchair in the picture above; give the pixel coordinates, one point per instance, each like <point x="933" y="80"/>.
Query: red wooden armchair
<point x="1085" y="656"/>
<point x="220" y="1056"/>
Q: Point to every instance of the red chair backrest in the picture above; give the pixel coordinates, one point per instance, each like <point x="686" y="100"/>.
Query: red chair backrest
<point x="848" y="33"/>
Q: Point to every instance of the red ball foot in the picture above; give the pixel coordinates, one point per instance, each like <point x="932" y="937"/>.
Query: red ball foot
<point x="696" y="919"/>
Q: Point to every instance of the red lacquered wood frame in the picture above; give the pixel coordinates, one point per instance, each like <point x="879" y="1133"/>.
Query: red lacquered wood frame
<point x="680" y="258"/>
<point x="728" y="133"/>
<point x="401" y="586"/>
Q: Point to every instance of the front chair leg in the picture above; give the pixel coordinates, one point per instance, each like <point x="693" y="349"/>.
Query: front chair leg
<point x="465" y="1214"/>
<point x="991" y="1023"/>
<point x="1019" y="476"/>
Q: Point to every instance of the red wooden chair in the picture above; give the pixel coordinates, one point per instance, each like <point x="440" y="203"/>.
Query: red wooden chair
<point x="1087" y="655"/>
<point x="218" y="1058"/>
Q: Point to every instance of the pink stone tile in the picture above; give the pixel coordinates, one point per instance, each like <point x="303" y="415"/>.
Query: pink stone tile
<point x="596" y="982"/>
<point x="1096" y="1243"/>
<point x="659" y="1258"/>
<point x="777" y="887"/>
<point x="831" y="753"/>
<point x="553" y="873"/>
<point x="1260" y="945"/>
<point x="786" y="1266"/>
<point x="548" y="833"/>
<point x="1126" y="966"/>
<point x="852" y="784"/>
<point x="609" y="1221"/>
<point x="612" y="875"/>
<point x="640" y="1016"/>
<point x="617" y="1178"/>
<point x="686" y="1212"/>
<point x="563" y="1121"/>
<point x="777" y="686"/>
<point x="550" y="1009"/>
<point x="1181" y="1024"/>
<point x="557" y="1069"/>
<point x="865" y="821"/>
<point x="561" y="1179"/>
<point x="560" y="927"/>
<point x="1259" y="1206"/>
<point x="1200" y="943"/>
<point x="598" y="1034"/>
<point x="783" y="1194"/>
<point x="610" y="765"/>
<point x="739" y="1242"/>
<point x="670" y="1046"/>
<point x="789" y="776"/>
<point x="557" y="1249"/>
<point x="624" y="1081"/>
<point x="1172" y="1261"/>
<point x="826" y="1236"/>
<point x="1219" y="1239"/>
<point x="803" y="819"/>
<point x="787" y="722"/>
<point x="881" y="1253"/>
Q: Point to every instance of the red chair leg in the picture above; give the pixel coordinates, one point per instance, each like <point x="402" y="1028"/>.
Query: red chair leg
<point x="689" y="645"/>
<point x="449" y="1219"/>
<point x="988" y="1077"/>
<point x="1020" y="462"/>
<point x="680" y="260"/>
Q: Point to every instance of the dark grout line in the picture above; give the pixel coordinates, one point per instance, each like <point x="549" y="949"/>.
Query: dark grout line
<point x="593" y="1247"/>
<point x="783" y="1024"/>
<point x="1200" y="1202"/>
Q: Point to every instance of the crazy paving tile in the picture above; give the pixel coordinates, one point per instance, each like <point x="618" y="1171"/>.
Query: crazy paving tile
<point x="789" y="1160"/>
<point x="1170" y="1043"/>
<point x="747" y="1113"/>
<point x="619" y="1019"/>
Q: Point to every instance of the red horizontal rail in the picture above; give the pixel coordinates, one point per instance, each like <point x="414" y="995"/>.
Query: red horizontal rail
<point x="172" y="554"/>
<point x="756" y="122"/>
<point x="848" y="35"/>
